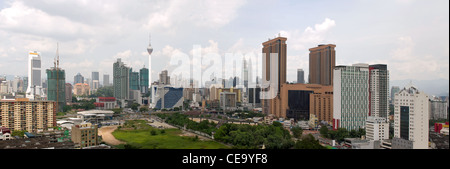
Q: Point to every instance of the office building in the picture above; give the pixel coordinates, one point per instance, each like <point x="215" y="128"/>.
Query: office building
<point x="350" y="96"/>
<point x="379" y="91"/>
<point x="121" y="80"/>
<point x="95" y="81"/>
<point x="300" y="76"/>
<point x="35" y="89"/>
<point x="164" y="78"/>
<point x="106" y="80"/>
<point x="143" y="80"/>
<point x="322" y="60"/>
<point x="56" y="90"/>
<point x="394" y="90"/>
<point x="411" y="117"/>
<point x="69" y="95"/>
<point x="377" y="128"/>
<point x="29" y="115"/>
<point x="78" y="79"/>
<point x="275" y="75"/>
<point x="438" y="109"/>
<point x="168" y="97"/>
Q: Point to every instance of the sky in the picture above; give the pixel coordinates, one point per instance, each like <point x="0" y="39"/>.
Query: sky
<point x="410" y="36"/>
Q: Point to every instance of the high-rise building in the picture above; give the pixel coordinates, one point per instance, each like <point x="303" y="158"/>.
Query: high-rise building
<point x="322" y="60"/>
<point x="34" y="90"/>
<point x="23" y="114"/>
<point x="411" y="117"/>
<point x="121" y="82"/>
<point x="164" y="78"/>
<point x="69" y="95"/>
<point x="105" y="79"/>
<point x="81" y="89"/>
<point x="394" y="90"/>
<point x="95" y="76"/>
<point x="350" y="96"/>
<point x="143" y="80"/>
<point x="56" y="90"/>
<point x="379" y="91"/>
<point x="438" y="109"/>
<point x="25" y="84"/>
<point x="95" y="81"/>
<point x="273" y="47"/>
<point x="134" y="80"/>
<point x="78" y="79"/>
<point x="300" y="76"/>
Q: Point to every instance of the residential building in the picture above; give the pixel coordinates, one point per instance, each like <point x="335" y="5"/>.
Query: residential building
<point x="322" y="60"/>
<point x="351" y="96"/>
<point x="85" y="135"/>
<point x="23" y="114"/>
<point x="438" y="109"/>
<point x="121" y="80"/>
<point x="411" y="116"/>
<point x="377" y="128"/>
<point x="228" y="100"/>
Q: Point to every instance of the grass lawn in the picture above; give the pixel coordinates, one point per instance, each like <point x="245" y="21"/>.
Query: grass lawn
<point x="138" y="135"/>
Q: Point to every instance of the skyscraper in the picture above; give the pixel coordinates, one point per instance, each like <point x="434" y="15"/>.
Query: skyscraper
<point x="78" y="79"/>
<point x="379" y="91"/>
<point x="56" y="90"/>
<point x="134" y="80"/>
<point x="350" y="96"/>
<point x="274" y="47"/>
<point x="95" y="81"/>
<point x="105" y="79"/>
<point x="164" y="78"/>
<point x="411" y="117"/>
<point x="69" y="95"/>
<point x="34" y="76"/>
<point x="322" y="60"/>
<point x="394" y="90"/>
<point x="300" y="76"/>
<point x="143" y="80"/>
<point x="121" y="74"/>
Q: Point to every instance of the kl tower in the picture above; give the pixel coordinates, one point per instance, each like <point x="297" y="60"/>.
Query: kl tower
<point x="150" y="50"/>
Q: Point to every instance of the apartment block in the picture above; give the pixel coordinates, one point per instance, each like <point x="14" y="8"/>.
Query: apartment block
<point x="85" y="135"/>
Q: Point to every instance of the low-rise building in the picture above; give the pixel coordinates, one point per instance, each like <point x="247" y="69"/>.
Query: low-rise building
<point x="377" y="128"/>
<point x="85" y="135"/>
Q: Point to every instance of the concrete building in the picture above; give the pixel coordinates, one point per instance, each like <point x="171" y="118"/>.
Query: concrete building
<point x="379" y="91"/>
<point x="394" y="90"/>
<point x="56" y="87"/>
<point x="164" y="78"/>
<point x="95" y="116"/>
<point x="23" y="114"/>
<point x="69" y="89"/>
<point x="228" y="100"/>
<point x="81" y="89"/>
<point x="167" y="97"/>
<point x="121" y="80"/>
<point x="105" y="103"/>
<point x="35" y="87"/>
<point x="377" y="128"/>
<point x="438" y="109"/>
<point x="300" y="76"/>
<point x="85" y="135"/>
<point x="78" y="79"/>
<point x="411" y="117"/>
<point x="351" y="96"/>
<point x="106" y="80"/>
<point x="273" y="47"/>
<point x="143" y="80"/>
<point x="322" y="60"/>
<point x="134" y="80"/>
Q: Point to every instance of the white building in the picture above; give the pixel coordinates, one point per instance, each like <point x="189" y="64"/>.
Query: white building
<point x="34" y="76"/>
<point x="377" y="128"/>
<point x="351" y="96"/>
<point x="411" y="117"/>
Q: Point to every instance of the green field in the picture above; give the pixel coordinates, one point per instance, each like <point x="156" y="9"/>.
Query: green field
<point x="138" y="135"/>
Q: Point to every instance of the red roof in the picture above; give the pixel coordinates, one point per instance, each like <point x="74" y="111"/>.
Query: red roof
<point x="106" y="99"/>
<point x="99" y="104"/>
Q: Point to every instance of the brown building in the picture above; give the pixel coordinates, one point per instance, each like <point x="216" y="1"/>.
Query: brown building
<point x="81" y="89"/>
<point x="23" y="114"/>
<point x="85" y="135"/>
<point x="322" y="60"/>
<point x="274" y="47"/>
<point x="298" y="101"/>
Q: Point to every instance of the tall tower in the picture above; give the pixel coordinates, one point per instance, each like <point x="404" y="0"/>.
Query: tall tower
<point x="322" y="60"/>
<point x="56" y="80"/>
<point x="150" y="51"/>
<point x="34" y="75"/>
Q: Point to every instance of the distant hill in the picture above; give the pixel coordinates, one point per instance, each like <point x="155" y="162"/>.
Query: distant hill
<point x="438" y="87"/>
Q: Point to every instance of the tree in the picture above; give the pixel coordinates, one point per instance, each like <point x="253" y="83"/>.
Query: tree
<point x="143" y="109"/>
<point x="308" y="142"/>
<point x="324" y="131"/>
<point x="297" y="132"/>
<point x="134" y="106"/>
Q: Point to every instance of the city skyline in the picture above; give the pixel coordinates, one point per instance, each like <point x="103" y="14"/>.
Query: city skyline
<point x="403" y="42"/>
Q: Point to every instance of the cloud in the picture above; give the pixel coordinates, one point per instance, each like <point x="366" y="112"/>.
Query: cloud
<point x="301" y="40"/>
